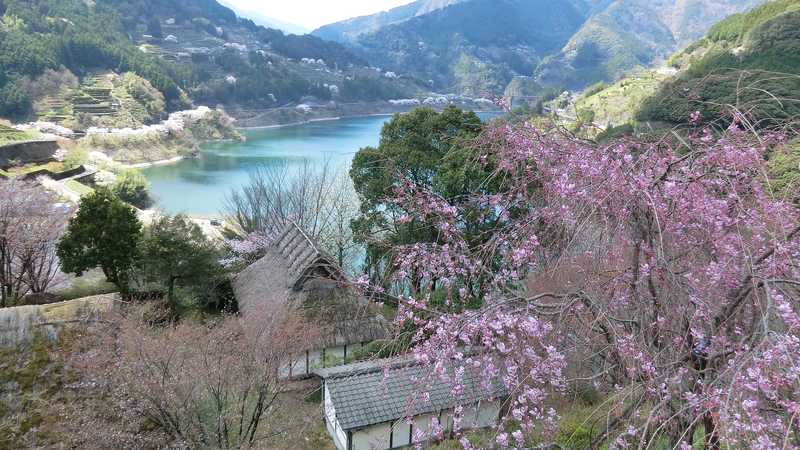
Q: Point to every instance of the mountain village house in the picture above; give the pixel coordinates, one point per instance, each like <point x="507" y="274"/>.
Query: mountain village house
<point x="391" y="404"/>
<point x="295" y="272"/>
<point x="367" y="405"/>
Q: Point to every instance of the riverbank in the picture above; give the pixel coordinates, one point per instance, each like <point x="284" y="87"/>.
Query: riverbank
<point x="305" y="114"/>
<point x="161" y="162"/>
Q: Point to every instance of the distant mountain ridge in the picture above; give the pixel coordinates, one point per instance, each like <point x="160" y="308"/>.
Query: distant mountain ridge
<point x="474" y="46"/>
<point x="260" y="18"/>
<point x="189" y="50"/>
<point x="630" y="34"/>
<point x="749" y="61"/>
<point x="347" y="31"/>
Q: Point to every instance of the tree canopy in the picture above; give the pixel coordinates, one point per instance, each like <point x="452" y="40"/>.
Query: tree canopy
<point x="425" y="148"/>
<point x="105" y="233"/>
<point x="175" y="253"/>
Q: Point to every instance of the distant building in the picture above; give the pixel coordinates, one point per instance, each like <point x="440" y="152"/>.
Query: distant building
<point x="380" y="405"/>
<point x="295" y="272"/>
<point x="241" y="48"/>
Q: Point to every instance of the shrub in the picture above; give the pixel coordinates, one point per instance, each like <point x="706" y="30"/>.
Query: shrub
<point x="132" y="187"/>
<point x="76" y="157"/>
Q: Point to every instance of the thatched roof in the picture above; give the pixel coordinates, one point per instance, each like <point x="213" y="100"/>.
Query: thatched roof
<point x="296" y="272"/>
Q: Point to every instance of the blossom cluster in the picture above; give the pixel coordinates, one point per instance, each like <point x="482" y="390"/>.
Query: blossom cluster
<point x="668" y="266"/>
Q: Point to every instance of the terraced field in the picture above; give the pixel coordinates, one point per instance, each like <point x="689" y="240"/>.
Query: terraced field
<point x="8" y="135"/>
<point x="618" y="103"/>
<point x="94" y="98"/>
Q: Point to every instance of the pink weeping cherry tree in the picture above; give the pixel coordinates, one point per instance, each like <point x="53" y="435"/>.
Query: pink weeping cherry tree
<point x="664" y="274"/>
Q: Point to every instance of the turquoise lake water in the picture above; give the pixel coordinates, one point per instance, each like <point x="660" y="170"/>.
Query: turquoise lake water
<point x="199" y="186"/>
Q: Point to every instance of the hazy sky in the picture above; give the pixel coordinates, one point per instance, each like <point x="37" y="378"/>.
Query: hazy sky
<point x="315" y="13"/>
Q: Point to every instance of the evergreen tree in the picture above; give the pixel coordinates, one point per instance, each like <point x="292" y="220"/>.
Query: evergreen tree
<point x="105" y="233"/>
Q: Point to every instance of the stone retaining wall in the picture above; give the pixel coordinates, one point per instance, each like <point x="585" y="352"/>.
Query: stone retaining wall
<point x="28" y="152"/>
<point x="19" y="324"/>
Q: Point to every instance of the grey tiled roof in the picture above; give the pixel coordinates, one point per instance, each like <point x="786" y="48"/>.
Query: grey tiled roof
<point x="365" y="394"/>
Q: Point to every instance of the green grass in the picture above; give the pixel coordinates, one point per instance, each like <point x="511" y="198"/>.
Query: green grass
<point x="53" y="166"/>
<point x="78" y="188"/>
<point x="33" y="376"/>
<point x="11" y="135"/>
<point x="90" y="284"/>
<point x="784" y="171"/>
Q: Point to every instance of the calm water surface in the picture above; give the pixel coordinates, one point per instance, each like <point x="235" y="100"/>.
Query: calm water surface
<point x="198" y="186"/>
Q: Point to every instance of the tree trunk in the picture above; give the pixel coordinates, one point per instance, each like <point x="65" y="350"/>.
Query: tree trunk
<point x="171" y="292"/>
<point x="712" y="439"/>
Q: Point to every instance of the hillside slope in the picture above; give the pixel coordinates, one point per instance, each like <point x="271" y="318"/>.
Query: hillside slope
<point x="457" y="49"/>
<point x="187" y="49"/>
<point x="562" y="44"/>
<point x="631" y="34"/>
<point x="749" y="61"/>
<point x="348" y="31"/>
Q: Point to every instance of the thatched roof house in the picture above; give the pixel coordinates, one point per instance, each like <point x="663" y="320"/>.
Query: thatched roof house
<point x="295" y="272"/>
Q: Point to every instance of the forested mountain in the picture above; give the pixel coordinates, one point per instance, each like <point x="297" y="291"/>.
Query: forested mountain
<point x="187" y="49"/>
<point x="349" y="30"/>
<point x="632" y="33"/>
<point x="480" y="46"/>
<point x="474" y="47"/>
<point x="750" y="61"/>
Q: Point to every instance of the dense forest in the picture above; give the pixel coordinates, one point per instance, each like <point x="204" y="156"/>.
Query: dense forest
<point x="220" y="59"/>
<point x="50" y="34"/>
<point x="749" y="61"/>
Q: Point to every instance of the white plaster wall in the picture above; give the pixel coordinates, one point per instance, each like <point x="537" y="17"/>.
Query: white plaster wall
<point x="283" y="371"/>
<point x="446" y="420"/>
<point x="332" y="424"/>
<point x="488" y="413"/>
<point x="375" y="437"/>
<point x="469" y="418"/>
<point x="401" y="433"/>
<point x="422" y="426"/>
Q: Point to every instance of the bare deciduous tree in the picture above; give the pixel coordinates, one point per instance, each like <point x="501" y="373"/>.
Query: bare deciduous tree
<point x="319" y="198"/>
<point x="190" y="385"/>
<point x="31" y="223"/>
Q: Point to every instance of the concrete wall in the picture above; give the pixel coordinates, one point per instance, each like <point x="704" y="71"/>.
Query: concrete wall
<point x="27" y="152"/>
<point x="20" y="324"/>
<point x="481" y="415"/>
